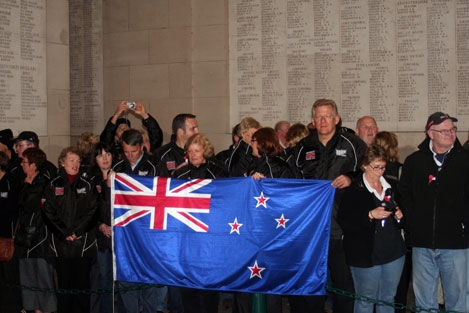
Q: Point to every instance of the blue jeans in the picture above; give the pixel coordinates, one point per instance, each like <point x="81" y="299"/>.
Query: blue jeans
<point x="451" y="265"/>
<point x="378" y="282"/>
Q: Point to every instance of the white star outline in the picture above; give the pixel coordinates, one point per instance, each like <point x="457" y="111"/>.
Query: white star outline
<point x="282" y="221"/>
<point x="235" y="226"/>
<point x="261" y="200"/>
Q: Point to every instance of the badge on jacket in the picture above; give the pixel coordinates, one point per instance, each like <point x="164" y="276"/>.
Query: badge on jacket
<point x="171" y="165"/>
<point x="310" y="155"/>
<point x="341" y="152"/>
<point x="59" y="191"/>
<point x="81" y="190"/>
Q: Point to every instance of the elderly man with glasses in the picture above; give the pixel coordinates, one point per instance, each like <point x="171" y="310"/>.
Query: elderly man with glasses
<point x="434" y="187"/>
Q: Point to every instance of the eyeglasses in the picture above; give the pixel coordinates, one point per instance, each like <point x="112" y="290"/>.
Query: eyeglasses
<point x="378" y="168"/>
<point x="253" y="140"/>
<point x="445" y="131"/>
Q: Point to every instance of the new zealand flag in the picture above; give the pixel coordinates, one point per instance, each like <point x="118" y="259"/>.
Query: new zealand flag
<point x="229" y="234"/>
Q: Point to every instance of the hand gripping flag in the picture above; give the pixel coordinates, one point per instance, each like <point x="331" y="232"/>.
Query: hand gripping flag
<point x="229" y="234"/>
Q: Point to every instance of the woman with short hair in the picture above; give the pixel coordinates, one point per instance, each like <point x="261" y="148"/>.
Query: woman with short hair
<point x="372" y="223"/>
<point x="33" y="236"/>
<point x="71" y="203"/>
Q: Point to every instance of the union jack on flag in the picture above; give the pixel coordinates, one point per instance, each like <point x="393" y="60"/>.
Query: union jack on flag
<point x="157" y="199"/>
<point x="229" y="234"/>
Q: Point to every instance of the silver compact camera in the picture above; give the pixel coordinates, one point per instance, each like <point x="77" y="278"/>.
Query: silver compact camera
<point x="131" y="104"/>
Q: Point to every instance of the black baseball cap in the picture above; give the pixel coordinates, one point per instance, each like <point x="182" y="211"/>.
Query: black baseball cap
<point x="29" y="136"/>
<point x="438" y="118"/>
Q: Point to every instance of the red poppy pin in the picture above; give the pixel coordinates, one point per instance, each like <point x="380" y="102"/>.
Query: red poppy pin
<point x="387" y="198"/>
<point x="431" y="178"/>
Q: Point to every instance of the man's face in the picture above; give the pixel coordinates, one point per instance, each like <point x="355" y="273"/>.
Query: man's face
<point x="367" y="130"/>
<point x="443" y="136"/>
<point x="282" y="133"/>
<point x="20" y="146"/>
<point x="191" y="128"/>
<point x="132" y="153"/>
<point x="325" y="120"/>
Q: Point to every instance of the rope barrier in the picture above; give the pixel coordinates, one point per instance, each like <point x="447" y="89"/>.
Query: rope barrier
<point x="399" y="306"/>
<point x="116" y="290"/>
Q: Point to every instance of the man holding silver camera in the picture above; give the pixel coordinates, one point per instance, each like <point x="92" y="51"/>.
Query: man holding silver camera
<point x="118" y="123"/>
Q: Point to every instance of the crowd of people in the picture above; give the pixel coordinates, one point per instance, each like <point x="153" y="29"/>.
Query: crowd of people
<point x="392" y="223"/>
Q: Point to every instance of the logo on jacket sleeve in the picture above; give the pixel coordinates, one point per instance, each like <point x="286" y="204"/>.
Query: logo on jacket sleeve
<point x="341" y="152"/>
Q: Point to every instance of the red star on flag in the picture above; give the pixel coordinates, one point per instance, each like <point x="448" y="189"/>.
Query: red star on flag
<point x="256" y="270"/>
<point x="235" y="226"/>
<point x="261" y="200"/>
<point x="282" y="221"/>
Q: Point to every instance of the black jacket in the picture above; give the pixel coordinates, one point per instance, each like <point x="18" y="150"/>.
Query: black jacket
<point x="271" y="167"/>
<point x="71" y="208"/>
<point x="8" y="204"/>
<point x="103" y="214"/>
<point x="360" y="233"/>
<point x="240" y="161"/>
<point x="143" y="168"/>
<point x="208" y="170"/>
<point x="33" y="235"/>
<point x="168" y="158"/>
<point x="436" y="202"/>
<point x="341" y="156"/>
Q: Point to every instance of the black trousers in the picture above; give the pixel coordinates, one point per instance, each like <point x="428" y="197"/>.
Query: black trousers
<point x="341" y="277"/>
<point x="73" y="273"/>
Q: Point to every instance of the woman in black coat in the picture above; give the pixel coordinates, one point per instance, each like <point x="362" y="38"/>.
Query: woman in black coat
<point x="32" y="238"/>
<point x="372" y="223"/>
<point x="200" y="160"/>
<point x="71" y="204"/>
<point x="268" y="153"/>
